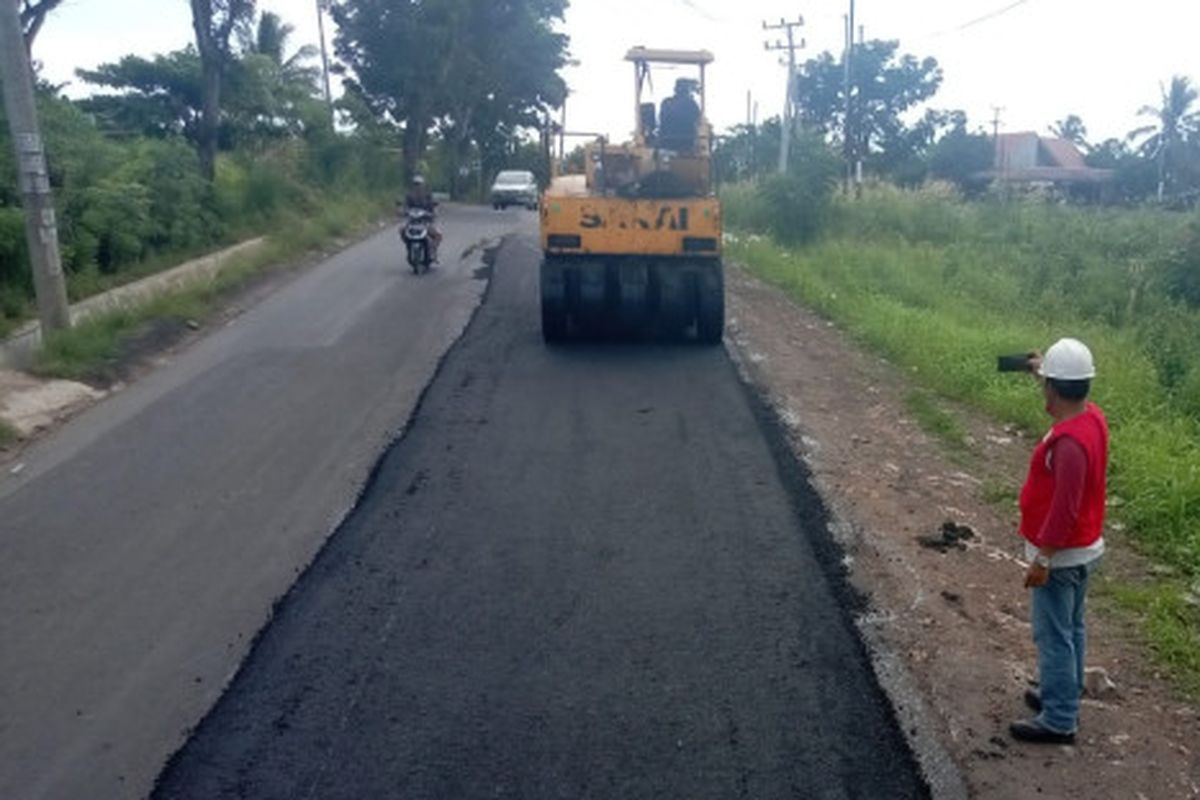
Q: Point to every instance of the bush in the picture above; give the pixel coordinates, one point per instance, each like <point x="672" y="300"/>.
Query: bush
<point x="14" y="262"/>
<point x="1182" y="271"/>
<point x="129" y="206"/>
<point x="795" y="210"/>
<point x="796" y="207"/>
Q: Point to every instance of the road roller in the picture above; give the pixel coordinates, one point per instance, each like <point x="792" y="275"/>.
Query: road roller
<point x="632" y="244"/>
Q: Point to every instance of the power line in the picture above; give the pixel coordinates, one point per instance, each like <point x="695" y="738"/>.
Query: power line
<point x="694" y="6"/>
<point x="991" y="15"/>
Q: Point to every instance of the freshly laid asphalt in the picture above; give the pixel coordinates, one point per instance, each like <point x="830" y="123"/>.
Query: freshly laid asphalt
<point x="143" y="545"/>
<point x="585" y="572"/>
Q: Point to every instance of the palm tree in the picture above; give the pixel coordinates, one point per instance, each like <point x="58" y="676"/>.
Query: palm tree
<point x="271" y="39"/>
<point x="284" y="81"/>
<point x="1176" y="120"/>
<point x="1073" y="130"/>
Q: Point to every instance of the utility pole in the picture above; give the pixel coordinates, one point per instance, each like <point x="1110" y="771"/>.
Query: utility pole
<point x="848" y="112"/>
<point x="322" y="7"/>
<point x="562" y="129"/>
<point x="41" y="229"/>
<point x="785" y="132"/>
<point x="998" y="156"/>
<point x="861" y="145"/>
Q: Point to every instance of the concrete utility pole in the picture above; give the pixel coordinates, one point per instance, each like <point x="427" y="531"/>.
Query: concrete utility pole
<point x="322" y="7"/>
<point x="785" y="133"/>
<point x="861" y="145"/>
<point x="41" y="229"/>
<point x="998" y="156"/>
<point x="848" y="112"/>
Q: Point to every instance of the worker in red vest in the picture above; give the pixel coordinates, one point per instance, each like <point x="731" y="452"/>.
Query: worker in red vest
<point x="1062" y="517"/>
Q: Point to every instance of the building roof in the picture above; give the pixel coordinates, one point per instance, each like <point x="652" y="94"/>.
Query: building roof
<point x="640" y="53"/>
<point x="1026" y="157"/>
<point x="1064" y="153"/>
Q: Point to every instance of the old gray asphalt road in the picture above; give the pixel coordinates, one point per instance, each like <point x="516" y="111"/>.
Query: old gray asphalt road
<point x="142" y="546"/>
<point x="582" y="574"/>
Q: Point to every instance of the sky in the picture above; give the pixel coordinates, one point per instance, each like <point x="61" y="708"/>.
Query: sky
<point x="1037" y="60"/>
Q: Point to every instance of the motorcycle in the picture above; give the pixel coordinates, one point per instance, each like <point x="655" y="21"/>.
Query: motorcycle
<point x="417" y="241"/>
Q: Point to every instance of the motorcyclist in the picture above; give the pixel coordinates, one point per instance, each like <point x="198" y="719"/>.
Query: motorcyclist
<point x="419" y="196"/>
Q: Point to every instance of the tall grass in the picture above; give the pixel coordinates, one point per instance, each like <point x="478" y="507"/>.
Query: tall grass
<point x="942" y="287"/>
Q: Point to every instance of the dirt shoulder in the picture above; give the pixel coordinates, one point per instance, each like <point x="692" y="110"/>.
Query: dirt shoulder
<point x="958" y="619"/>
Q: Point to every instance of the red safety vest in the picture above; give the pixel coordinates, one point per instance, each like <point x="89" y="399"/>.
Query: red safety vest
<point x="1090" y="429"/>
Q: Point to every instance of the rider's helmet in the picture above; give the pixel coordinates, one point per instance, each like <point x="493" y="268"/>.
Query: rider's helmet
<point x="418" y="180"/>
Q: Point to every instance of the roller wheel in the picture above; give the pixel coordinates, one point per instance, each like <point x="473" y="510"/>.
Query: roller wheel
<point x="554" y="325"/>
<point x="710" y="310"/>
<point x="554" y="307"/>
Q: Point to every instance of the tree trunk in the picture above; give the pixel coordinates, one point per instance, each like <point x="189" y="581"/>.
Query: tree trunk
<point x="1162" y="170"/>
<point x="413" y="147"/>
<point x="210" y="120"/>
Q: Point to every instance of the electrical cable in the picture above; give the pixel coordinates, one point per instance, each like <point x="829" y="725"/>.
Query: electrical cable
<point x="694" y="6"/>
<point x="991" y="15"/>
<point x="999" y="12"/>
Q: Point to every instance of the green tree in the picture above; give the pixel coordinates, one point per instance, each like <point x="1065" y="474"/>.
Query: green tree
<point x="159" y="96"/>
<point x="268" y="93"/>
<point x="795" y="207"/>
<point x="271" y="38"/>
<point x="747" y="152"/>
<point x="479" y="72"/>
<point x="1134" y="177"/>
<point x="1176" y="119"/>
<point x="389" y="49"/>
<point x="33" y="16"/>
<point x="214" y="22"/>
<point x="1072" y="129"/>
<point x="885" y="86"/>
<point x="906" y="156"/>
<point x="272" y="93"/>
<point x="960" y="156"/>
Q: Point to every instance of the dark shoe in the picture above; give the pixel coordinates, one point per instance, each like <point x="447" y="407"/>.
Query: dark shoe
<point x="1033" y="699"/>
<point x="1030" y="730"/>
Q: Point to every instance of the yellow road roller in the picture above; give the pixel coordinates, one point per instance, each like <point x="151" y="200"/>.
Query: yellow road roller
<point x="632" y="247"/>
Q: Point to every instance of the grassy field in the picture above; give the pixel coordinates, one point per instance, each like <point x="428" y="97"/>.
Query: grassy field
<point x="942" y="287"/>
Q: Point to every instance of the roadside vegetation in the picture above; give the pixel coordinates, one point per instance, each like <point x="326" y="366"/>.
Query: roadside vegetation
<point x="940" y="272"/>
<point x="942" y="287"/>
<point x="126" y="166"/>
<point x="177" y="154"/>
<point x="8" y="434"/>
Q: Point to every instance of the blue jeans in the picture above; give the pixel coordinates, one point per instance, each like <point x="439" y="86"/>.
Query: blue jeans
<point x="1061" y="639"/>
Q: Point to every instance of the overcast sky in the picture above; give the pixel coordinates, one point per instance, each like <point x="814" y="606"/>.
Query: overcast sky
<point x="1038" y="59"/>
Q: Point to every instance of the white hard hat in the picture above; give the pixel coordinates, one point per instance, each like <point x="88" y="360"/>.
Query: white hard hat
<point x="418" y="179"/>
<point x="1068" y="360"/>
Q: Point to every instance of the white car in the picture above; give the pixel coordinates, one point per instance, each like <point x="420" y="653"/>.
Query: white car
<point x="515" y="187"/>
